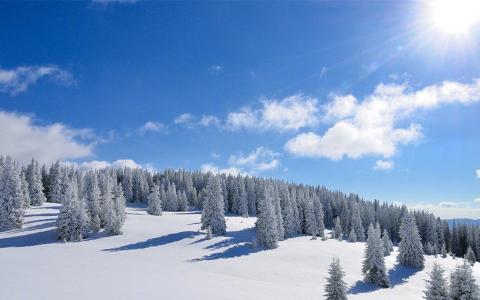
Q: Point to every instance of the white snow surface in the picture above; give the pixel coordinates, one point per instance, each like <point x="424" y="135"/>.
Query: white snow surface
<point x="167" y="257"/>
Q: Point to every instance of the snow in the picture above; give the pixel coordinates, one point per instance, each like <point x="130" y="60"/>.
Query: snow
<point x="166" y="257"/>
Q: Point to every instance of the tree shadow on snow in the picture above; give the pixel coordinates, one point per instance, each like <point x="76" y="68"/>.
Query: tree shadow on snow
<point x="238" y="243"/>
<point x="42" y="215"/>
<point x="397" y="275"/>
<point x="28" y="240"/>
<point x="158" y="241"/>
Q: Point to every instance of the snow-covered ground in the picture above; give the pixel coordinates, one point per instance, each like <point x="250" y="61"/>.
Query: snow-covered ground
<point x="167" y="257"/>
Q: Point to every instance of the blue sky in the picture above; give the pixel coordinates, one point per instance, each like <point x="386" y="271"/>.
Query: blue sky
<point x="369" y="97"/>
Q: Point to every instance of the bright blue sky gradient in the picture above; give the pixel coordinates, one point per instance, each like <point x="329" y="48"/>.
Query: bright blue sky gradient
<point x="138" y="62"/>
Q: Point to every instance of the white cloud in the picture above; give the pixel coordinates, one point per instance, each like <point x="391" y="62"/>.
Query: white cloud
<point x="383" y="165"/>
<point x="15" y="81"/>
<point x="152" y="126"/>
<point x="215" y="69"/>
<point x="185" y="118"/>
<point x="476" y="200"/>
<point x="261" y="159"/>
<point x="211" y="168"/>
<point x="291" y="113"/>
<point x="371" y="127"/>
<point x="121" y="163"/>
<point x="449" y="209"/>
<point x="477" y="172"/>
<point x="22" y="139"/>
<point x="209" y="120"/>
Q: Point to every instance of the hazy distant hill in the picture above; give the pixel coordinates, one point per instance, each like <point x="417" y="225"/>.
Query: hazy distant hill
<point x="464" y="221"/>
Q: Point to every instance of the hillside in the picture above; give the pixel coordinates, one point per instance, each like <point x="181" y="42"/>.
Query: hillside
<point x="168" y="257"/>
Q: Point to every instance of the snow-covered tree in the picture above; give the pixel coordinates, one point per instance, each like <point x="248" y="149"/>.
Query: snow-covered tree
<point x="115" y="211"/>
<point x="336" y="288"/>
<point x="443" y="251"/>
<point x="182" y="201"/>
<point x="11" y="196"/>
<point x="387" y="243"/>
<point x="56" y="184"/>
<point x="154" y="202"/>
<point x="266" y="225"/>
<point x="352" y="236"/>
<point x="374" y="264"/>
<point x="35" y="185"/>
<point x="357" y="223"/>
<point x="25" y="192"/>
<point x="436" y="285"/>
<point x="470" y="256"/>
<point x="72" y="222"/>
<point x="428" y="248"/>
<point x="213" y="206"/>
<point x="337" y="232"/>
<point x="462" y="283"/>
<point x="92" y="199"/>
<point x="171" y="203"/>
<point x="287" y="212"/>
<point x="410" y="250"/>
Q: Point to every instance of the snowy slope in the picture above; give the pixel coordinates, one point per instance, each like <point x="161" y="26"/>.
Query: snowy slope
<point x="167" y="258"/>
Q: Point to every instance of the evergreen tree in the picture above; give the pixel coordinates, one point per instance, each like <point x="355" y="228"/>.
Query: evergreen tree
<point x="410" y="247"/>
<point x="436" y="285"/>
<point x="106" y="200"/>
<point x="115" y="211"/>
<point x="182" y="201"/>
<point x="462" y="283"/>
<point x="171" y="203"/>
<point x="266" y="225"/>
<point x="11" y="197"/>
<point x="92" y="199"/>
<point x="357" y="223"/>
<point x="443" y="251"/>
<point x="337" y="232"/>
<point x="154" y="202"/>
<point x="213" y="214"/>
<point x="72" y="222"/>
<point x="35" y="185"/>
<point x="287" y="212"/>
<point x="319" y="216"/>
<point x="387" y="244"/>
<point x="25" y="192"/>
<point x="470" y="256"/>
<point x="352" y="236"/>
<point x="55" y="180"/>
<point x="374" y="264"/>
<point x="336" y="288"/>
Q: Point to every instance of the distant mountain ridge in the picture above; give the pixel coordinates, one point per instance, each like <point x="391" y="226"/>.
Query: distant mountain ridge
<point x="466" y="221"/>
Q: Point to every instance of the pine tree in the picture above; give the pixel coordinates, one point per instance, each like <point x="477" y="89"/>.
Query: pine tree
<point x="55" y="179"/>
<point x="213" y="208"/>
<point x="92" y="199"/>
<point x="319" y="216"/>
<point x="410" y="246"/>
<point x="443" y="251"/>
<point x="287" y="212"/>
<point x="182" y="201"/>
<point x="428" y="249"/>
<point x="106" y="200"/>
<point x="266" y="225"/>
<point x="462" y="283"/>
<point x="352" y="236"/>
<point x="115" y="211"/>
<point x="387" y="244"/>
<point x="336" y="288"/>
<point x="25" y="192"/>
<point x="35" y="185"/>
<point x="171" y="203"/>
<point x="436" y="285"/>
<point x="72" y="222"/>
<point x="11" y="197"/>
<point x="374" y="264"/>
<point x="154" y="202"/>
<point x="337" y="232"/>
<point x="470" y="256"/>
<point x="357" y="223"/>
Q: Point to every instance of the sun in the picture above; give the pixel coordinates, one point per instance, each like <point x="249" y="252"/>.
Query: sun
<point x="455" y="16"/>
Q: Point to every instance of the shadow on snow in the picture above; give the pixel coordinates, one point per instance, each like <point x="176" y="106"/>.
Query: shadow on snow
<point x="237" y="243"/>
<point x="158" y="241"/>
<point x="397" y="275"/>
<point x="28" y="240"/>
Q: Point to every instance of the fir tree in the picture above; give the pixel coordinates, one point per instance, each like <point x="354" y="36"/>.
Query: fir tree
<point x="374" y="264"/>
<point x="72" y="222"/>
<point x="337" y="232"/>
<point x="357" y="223"/>
<point x="182" y="201"/>
<point x="436" y="285"/>
<point x="387" y="244"/>
<point x="462" y="283"/>
<point x="352" y="236"/>
<point x="212" y="214"/>
<point x="266" y="225"/>
<point x="115" y="211"/>
<point x="92" y="199"/>
<point x="154" y="202"/>
<point x="443" y="251"/>
<point x="35" y="185"/>
<point x="470" y="256"/>
<point x="11" y="196"/>
<point x="410" y="246"/>
<point x="336" y="288"/>
<point x="25" y="192"/>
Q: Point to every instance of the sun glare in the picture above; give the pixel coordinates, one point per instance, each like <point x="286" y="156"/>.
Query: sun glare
<point x="455" y="16"/>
